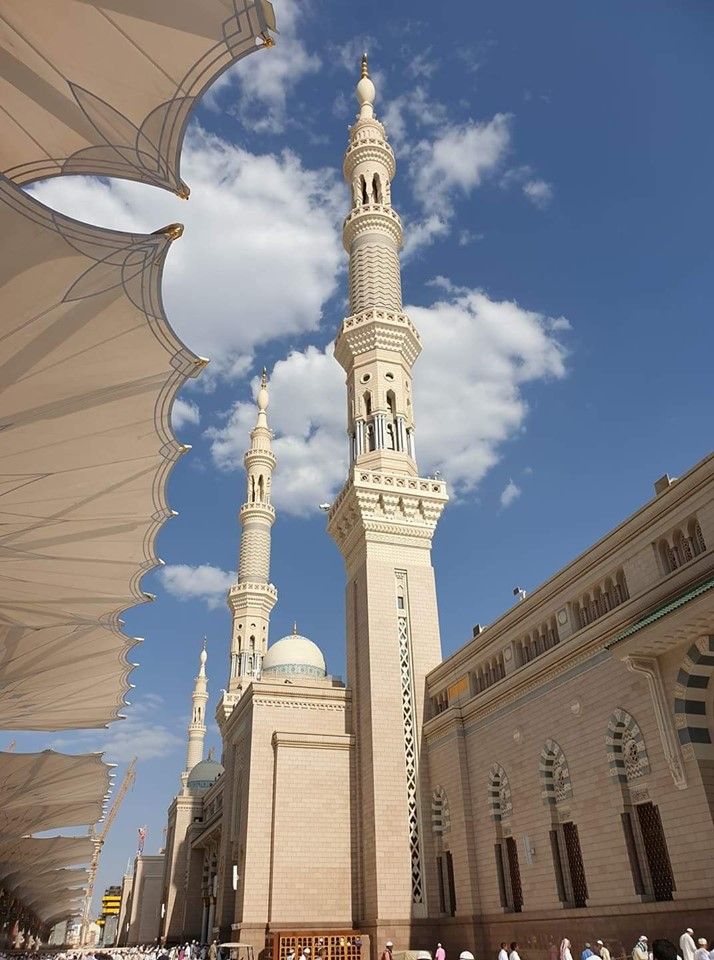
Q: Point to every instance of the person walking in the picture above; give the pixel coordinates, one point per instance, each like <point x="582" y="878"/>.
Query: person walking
<point x="603" y="951"/>
<point x="513" y="955"/>
<point x="702" y="951"/>
<point x="503" y="952"/>
<point x="587" y="952"/>
<point x="440" y="953"/>
<point x="565" y="953"/>
<point x="387" y="952"/>
<point x="640" y="951"/>
<point x="687" y="946"/>
<point x="213" y="951"/>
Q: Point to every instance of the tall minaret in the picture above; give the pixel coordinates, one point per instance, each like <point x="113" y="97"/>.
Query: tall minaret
<point x="197" y="726"/>
<point x="383" y="522"/>
<point x="253" y="597"/>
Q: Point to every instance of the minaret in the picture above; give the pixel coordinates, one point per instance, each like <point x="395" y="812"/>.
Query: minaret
<point x="383" y="522"/>
<point x="253" y="597"/>
<point x="197" y="726"/>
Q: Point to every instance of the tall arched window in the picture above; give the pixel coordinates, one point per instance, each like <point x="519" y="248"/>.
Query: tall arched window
<point x="557" y="791"/>
<point x="376" y="188"/>
<point x="508" y="868"/>
<point x="363" y="188"/>
<point x="441" y="825"/>
<point x="641" y="821"/>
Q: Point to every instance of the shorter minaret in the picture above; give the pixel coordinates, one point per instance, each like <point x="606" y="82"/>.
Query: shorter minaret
<point x="197" y="726"/>
<point x="252" y="597"/>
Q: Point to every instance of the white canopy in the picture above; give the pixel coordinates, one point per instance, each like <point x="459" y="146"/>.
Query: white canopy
<point x="30" y="856"/>
<point x="89" y="368"/>
<point x="48" y="791"/>
<point x="106" y="87"/>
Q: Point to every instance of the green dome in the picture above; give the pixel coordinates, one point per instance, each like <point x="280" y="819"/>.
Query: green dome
<point x="204" y="775"/>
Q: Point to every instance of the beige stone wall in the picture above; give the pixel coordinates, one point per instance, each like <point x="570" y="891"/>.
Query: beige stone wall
<point x="146" y="900"/>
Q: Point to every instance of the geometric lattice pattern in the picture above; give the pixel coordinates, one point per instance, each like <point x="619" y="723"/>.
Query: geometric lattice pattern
<point x="690" y="705"/>
<point x="554" y="773"/>
<point x="440" y="813"/>
<point x="410" y="748"/>
<point x="499" y="793"/>
<point x="626" y="748"/>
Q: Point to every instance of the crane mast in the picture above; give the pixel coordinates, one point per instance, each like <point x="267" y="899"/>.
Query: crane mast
<point x="98" y="840"/>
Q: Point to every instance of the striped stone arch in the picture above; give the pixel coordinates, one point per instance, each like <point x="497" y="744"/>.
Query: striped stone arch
<point x="622" y="728"/>
<point x="499" y="793"/>
<point x="440" y="812"/>
<point x="692" y="690"/>
<point x="554" y="774"/>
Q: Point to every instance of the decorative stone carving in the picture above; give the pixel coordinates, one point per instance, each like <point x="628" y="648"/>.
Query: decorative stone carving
<point x="649" y="666"/>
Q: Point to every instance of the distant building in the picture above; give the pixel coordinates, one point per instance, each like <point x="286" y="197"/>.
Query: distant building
<point x="554" y="776"/>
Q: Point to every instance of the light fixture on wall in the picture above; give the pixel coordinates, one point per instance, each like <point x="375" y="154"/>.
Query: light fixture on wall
<point x="235" y="876"/>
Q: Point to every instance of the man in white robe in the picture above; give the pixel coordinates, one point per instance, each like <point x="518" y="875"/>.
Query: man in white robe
<point x="687" y="946"/>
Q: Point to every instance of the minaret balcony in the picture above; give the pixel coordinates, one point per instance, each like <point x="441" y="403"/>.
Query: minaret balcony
<point x="372" y="149"/>
<point x="265" y="457"/>
<point x="377" y="330"/>
<point x="253" y="593"/>
<point x="257" y="511"/>
<point x="368" y="218"/>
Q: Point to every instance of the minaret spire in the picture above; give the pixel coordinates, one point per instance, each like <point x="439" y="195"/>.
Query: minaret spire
<point x="197" y="725"/>
<point x="252" y="597"/>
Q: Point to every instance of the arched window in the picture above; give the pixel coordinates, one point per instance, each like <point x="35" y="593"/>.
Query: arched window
<point x="506" y="849"/>
<point x="441" y="825"/>
<point x="696" y="537"/>
<point x="252" y="489"/>
<point x="370" y="436"/>
<point x="390" y="437"/>
<point x="367" y="400"/>
<point x="392" y="402"/>
<point x="565" y="848"/>
<point x="363" y="187"/>
<point x="261" y="488"/>
<point x="376" y="188"/>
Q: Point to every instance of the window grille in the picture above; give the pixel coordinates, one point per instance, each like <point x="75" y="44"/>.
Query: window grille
<point x="575" y="865"/>
<point x="656" y="852"/>
<point x="633" y="856"/>
<point x="515" y="875"/>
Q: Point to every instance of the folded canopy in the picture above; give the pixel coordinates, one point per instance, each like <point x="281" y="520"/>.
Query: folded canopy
<point x="49" y="791"/>
<point x="89" y="368"/>
<point x="106" y="87"/>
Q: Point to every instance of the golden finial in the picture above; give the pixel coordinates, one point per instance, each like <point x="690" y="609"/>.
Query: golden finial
<point x="365" y="69"/>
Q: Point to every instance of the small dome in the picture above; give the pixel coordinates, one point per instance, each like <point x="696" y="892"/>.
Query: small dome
<point x="294" y="655"/>
<point x="204" y="775"/>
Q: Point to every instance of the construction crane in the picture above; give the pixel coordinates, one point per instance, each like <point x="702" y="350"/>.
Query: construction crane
<point x="98" y="840"/>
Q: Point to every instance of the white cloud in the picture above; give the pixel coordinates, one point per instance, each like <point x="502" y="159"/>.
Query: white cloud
<point x="266" y="79"/>
<point x="539" y="192"/>
<point x="183" y="412"/>
<point x="509" y="493"/>
<point x="203" y="582"/>
<point x="139" y="735"/>
<point x="458" y="159"/>
<point x="420" y="234"/>
<point x="478" y="355"/>
<point x="260" y="254"/>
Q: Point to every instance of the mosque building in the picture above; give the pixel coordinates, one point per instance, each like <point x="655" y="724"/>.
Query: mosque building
<point x="554" y="776"/>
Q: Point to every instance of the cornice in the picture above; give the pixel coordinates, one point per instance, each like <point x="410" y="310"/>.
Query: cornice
<point x="257" y="511"/>
<point x="377" y="330"/>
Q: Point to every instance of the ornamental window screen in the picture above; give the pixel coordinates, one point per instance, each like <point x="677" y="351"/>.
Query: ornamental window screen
<point x="555" y="775"/>
<point x="440" y="812"/>
<point x="681" y="545"/>
<point x="655" y="845"/>
<point x="602" y="598"/>
<point x="410" y="745"/>
<point x="626" y="748"/>
<point x="499" y="794"/>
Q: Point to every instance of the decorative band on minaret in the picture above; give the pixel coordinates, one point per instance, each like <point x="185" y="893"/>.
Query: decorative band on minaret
<point x="197" y="725"/>
<point x="252" y="597"/>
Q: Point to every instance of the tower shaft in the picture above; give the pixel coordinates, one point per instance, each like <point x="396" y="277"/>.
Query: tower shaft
<point x="383" y="522"/>
<point x="197" y="724"/>
<point x="252" y="598"/>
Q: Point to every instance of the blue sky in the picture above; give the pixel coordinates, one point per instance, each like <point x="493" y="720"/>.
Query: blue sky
<point x="554" y="178"/>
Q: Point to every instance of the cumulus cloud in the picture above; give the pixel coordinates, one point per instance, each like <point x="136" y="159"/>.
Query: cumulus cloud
<point x="203" y="582"/>
<point x="183" y="412"/>
<point x="539" y="192"/>
<point x="478" y="356"/>
<point x="509" y="493"/>
<point x="266" y="79"/>
<point x="260" y="254"/>
<point x="139" y="735"/>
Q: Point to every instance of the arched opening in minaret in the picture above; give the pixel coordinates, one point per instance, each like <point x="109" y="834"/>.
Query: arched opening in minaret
<point x="363" y="189"/>
<point x="390" y="437"/>
<point x="370" y="436"/>
<point x="392" y="402"/>
<point x="376" y="188"/>
<point x="252" y="489"/>
<point x="261" y="488"/>
<point x="367" y="398"/>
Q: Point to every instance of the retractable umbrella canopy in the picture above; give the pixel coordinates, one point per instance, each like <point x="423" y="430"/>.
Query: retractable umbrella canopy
<point x="89" y="368"/>
<point x="32" y="856"/>
<point x="50" y="791"/>
<point x="105" y="88"/>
